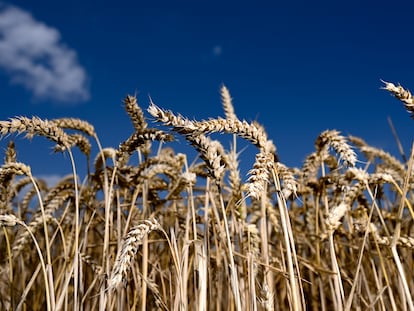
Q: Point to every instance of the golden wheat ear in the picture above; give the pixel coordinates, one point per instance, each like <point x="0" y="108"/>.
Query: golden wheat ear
<point x="333" y="139"/>
<point x="128" y="250"/>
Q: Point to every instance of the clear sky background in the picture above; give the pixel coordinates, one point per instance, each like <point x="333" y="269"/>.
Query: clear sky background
<point x="297" y="67"/>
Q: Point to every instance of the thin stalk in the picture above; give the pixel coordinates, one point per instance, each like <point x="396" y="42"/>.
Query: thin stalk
<point x="234" y="278"/>
<point x="47" y="244"/>
<point x="290" y="247"/>
<point x="77" y="230"/>
<point x="397" y="234"/>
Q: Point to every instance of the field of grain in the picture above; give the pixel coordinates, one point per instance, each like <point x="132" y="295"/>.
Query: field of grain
<point x="149" y="228"/>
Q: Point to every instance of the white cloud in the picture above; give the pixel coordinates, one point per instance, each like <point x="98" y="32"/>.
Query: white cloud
<point x="34" y="56"/>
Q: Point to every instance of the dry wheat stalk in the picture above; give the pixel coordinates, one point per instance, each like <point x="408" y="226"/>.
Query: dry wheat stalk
<point x="267" y="299"/>
<point x="170" y="119"/>
<point x="39" y="219"/>
<point x="235" y="181"/>
<point x="138" y="139"/>
<point x="75" y="124"/>
<point x="135" y="113"/>
<point x="81" y="142"/>
<point x="289" y="185"/>
<point x="334" y="217"/>
<point x="9" y="220"/>
<point x="149" y="173"/>
<point x="249" y="131"/>
<point x="259" y="175"/>
<point x="311" y="166"/>
<point x="332" y="138"/>
<point x="31" y="193"/>
<point x="97" y="268"/>
<point x="335" y="214"/>
<point x="357" y="141"/>
<point x="166" y="163"/>
<point x="6" y="193"/>
<point x="371" y="153"/>
<point x="212" y="152"/>
<point x="361" y="225"/>
<point x="11" y="169"/>
<point x="227" y="103"/>
<point x="10" y="155"/>
<point x="186" y="179"/>
<point x="402" y="94"/>
<point x="35" y="126"/>
<point x="128" y="250"/>
<point x="104" y="154"/>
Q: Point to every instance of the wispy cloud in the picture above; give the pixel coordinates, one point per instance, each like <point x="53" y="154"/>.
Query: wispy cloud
<point x="34" y="56"/>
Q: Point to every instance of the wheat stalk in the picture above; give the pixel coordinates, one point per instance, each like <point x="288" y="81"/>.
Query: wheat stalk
<point x="128" y="250"/>
<point x="402" y="94"/>
<point x="332" y="138"/>
<point x="75" y="124"/>
<point x="35" y="126"/>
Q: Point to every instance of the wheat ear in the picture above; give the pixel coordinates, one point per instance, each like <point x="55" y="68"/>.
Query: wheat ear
<point x="75" y="124"/>
<point x="35" y="126"/>
<point x="135" y="112"/>
<point x="128" y="251"/>
<point x="332" y="138"/>
<point x="227" y="103"/>
<point x="402" y="94"/>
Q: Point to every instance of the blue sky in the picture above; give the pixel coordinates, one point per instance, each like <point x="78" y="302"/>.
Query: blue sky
<point x="297" y="67"/>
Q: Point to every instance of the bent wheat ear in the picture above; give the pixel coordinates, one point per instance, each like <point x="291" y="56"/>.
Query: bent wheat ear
<point x="35" y="126"/>
<point x="128" y="251"/>
<point x="75" y="124"/>
<point x="15" y="168"/>
<point x="402" y="94"/>
<point x="212" y="152"/>
<point x="137" y="139"/>
<point x="178" y="122"/>
<point x="332" y="138"/>
<point x="9" y="220"/>
<point x="81" y="142"/>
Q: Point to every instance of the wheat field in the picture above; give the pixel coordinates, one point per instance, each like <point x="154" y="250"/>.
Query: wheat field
<point x="151" y="228"/>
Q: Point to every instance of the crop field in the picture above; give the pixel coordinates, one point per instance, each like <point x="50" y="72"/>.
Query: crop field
<point x="152" y="228"/>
